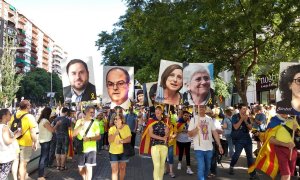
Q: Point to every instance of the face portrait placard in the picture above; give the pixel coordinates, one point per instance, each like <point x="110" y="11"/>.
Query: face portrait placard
<point x="149" y="90"/>
<point x="288" y="95"/>
<point x="78" y="80"/>
<point x="170" y="82"/>
<point x="118" y="86"/>
<point x="198" y="87"/>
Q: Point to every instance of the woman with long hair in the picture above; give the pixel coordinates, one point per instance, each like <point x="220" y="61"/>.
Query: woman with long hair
<point x="45" y="136"/>
<point x="8" y="144"/>
<point x="118" y="135"/>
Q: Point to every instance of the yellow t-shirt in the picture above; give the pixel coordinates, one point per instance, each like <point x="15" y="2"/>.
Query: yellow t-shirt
<point x="125" y="132"/>
<point x="94" y="130"/>
<point x="283" y="135"/>
<point x="28" y="123"/>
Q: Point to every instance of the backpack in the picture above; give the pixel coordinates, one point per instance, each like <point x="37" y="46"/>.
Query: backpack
<point x="17" y="124"/>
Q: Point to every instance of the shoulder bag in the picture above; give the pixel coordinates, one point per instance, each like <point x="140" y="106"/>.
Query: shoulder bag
<point x="79" y="142"/>
<point x="128" y="150"/>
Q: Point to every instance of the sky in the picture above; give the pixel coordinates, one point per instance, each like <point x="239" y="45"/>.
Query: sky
<point x="73" y="24"/>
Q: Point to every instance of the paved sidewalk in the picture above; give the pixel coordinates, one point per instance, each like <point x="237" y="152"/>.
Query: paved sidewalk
<point x="141" y="168"/>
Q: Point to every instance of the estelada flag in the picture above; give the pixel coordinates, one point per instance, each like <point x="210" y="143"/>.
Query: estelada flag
<point x="145" y="145"/>
<point x="266" y="160"/>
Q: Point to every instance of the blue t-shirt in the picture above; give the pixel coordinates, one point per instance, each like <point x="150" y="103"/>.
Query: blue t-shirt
<point x="243" y="127"/>
<point x="229" y="125"/>
<point x="131" y="120"/>
<point x="63" y="129"/>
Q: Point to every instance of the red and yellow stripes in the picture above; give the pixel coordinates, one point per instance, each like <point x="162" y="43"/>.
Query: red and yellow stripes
<point x="266" y="160"/>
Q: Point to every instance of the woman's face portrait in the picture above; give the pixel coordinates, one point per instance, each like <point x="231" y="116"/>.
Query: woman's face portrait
<point x="174" y="80"/>
<point x="295" y="86"/>
<point x="199" y="84"/>
<point x="158" y="112"/>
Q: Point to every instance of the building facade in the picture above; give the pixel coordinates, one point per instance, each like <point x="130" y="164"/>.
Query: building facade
<point x="34" y="48"/>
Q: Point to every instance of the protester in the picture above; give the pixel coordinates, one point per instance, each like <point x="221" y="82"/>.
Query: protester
<point x="132" y="121"/>
<point x="118" y="135"/>
<point x="202" y="130"/>
<point x="227" y="127"/>
<point x="45" y="137"/>
<point x="159" y="133"/>
<point x="241" y="138"/>
<point x="9" y="147"/>
<point x="100" y="143"/>
<point x="88" y="130"/>
<point x="171" y="147"/>
<point x="183" y="141"/>
<point x="28" y="141"/>
<point x="62" y="139"/>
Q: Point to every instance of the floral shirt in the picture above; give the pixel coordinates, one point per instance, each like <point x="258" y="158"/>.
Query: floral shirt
<point x="159" y="130"/>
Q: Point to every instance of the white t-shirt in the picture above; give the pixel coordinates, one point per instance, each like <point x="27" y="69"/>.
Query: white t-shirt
<point x="45" y="135"/>
<point x="8" y="152"/>
<point x="203" y="139"/>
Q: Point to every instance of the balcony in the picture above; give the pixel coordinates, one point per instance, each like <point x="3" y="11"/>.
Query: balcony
<point x="34" y="30"/>
<point x="45" y="51"/>
<point x="22" y="43"/>
<point x="32" y="68"/>
<point x="35" y="37"/>
<point x="20" y="57"/>
<point x="34" y="56"/>
<point x="46" y="39"/>
<point x="33" y="49"/>
<point x="22" y="20"/>
<point x="21" y="50"/>
<point x="21" y="36"/>
<point x="34" y="63"/>
<point x="20" y="65"/>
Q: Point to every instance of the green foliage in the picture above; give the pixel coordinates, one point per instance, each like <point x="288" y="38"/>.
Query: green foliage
<point x="246" y="37"/>
<point x="9" y="81"/>
<point x="37" y="83"/>
<point x="222" y="88"/>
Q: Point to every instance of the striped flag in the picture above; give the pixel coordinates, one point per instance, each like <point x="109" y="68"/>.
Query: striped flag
<point x="145" y="145"/>
<point x="266" y="160"/>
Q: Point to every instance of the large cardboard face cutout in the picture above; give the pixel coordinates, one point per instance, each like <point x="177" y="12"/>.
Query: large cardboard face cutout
<point x="118" y="86"/>
<point x="288" y="95"/>
<point x="78" y="80"/>
<point x="170" y="82"/>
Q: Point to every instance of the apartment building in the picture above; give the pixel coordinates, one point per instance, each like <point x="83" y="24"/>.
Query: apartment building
<point x="34" y="48"/>
<point x="59" y="55"/>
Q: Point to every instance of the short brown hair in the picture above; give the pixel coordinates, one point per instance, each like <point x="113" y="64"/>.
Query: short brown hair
<point x="24" y="104"/>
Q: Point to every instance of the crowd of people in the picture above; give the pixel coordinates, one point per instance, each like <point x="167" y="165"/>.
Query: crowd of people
<point x="167" y="132"/>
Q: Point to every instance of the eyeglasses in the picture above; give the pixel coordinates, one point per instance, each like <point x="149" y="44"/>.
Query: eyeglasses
<point x="119" y="84"/>
<point x="297" y="81"/>
<point x="204" y="78"/>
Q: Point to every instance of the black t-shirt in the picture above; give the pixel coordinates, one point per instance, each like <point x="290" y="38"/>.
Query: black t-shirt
<point x="159" y="130"/>
<point x="62" y="129"/>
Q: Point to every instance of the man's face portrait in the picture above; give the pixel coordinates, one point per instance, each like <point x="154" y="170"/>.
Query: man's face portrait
<point x="78" y="76"/>
<point x="117" y="86"/>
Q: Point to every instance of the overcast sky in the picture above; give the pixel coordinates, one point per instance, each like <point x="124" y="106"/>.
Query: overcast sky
<point x="73" y="24"/>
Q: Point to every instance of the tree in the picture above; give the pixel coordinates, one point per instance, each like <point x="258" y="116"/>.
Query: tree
<point x="9" y="80"/>
<point x="246" y="37"/>
<point x="36" y="84"/>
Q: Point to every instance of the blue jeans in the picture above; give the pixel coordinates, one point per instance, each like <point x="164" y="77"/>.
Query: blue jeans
<point x="45" y="147"/>
<point x="170" y="157"/>
<point x="203" y="161"/>
<point x="239" y="146"/>
<point x="230" y="144"/>
<point x="100" y="143"/>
